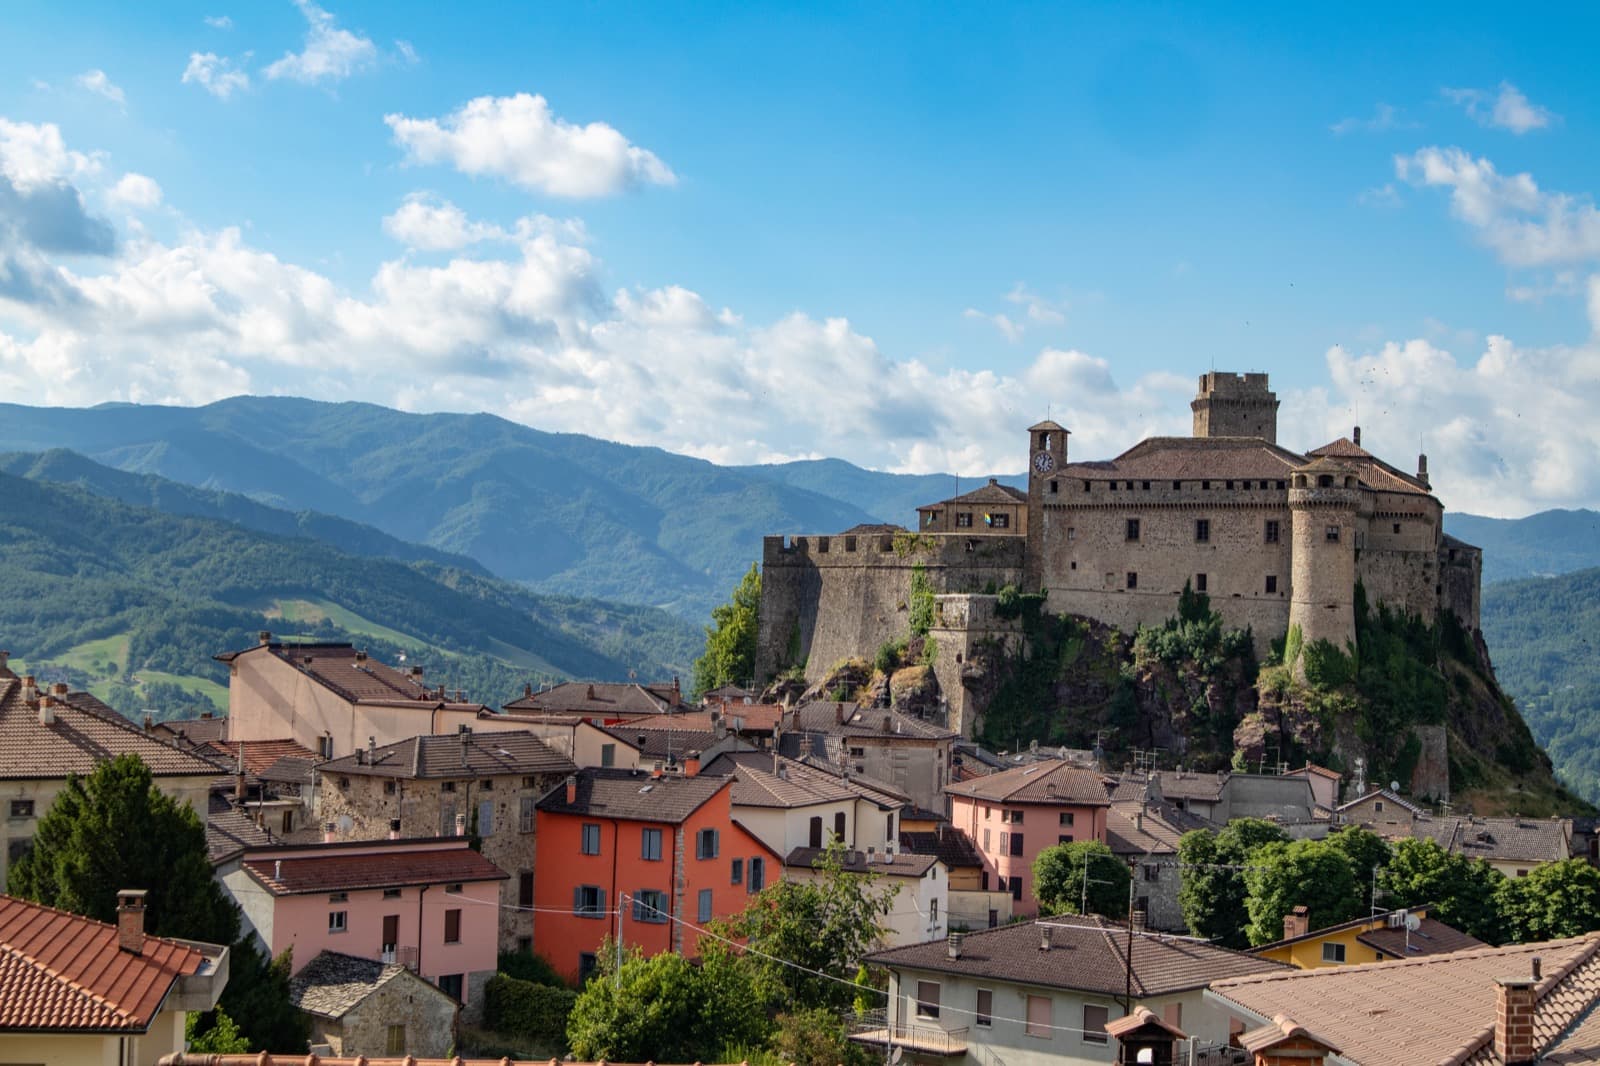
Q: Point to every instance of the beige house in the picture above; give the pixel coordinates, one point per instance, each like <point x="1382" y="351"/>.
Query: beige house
<point x="478" y="784"/>
<point x="910" y="753"/>
<point x="790" y="804"/>
<point x="917" y="887"/>
<point x="993" y="508"/>
<point x="47" y="736"/>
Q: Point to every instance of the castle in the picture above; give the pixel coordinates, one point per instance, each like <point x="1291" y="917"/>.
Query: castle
<point x="1274" y="537"/>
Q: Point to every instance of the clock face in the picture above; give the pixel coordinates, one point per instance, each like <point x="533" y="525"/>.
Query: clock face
<point x="1043" y="462"/>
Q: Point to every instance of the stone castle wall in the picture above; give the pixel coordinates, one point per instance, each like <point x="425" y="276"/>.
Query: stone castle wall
<point x="1323" y="582"/>
<point x="1461" y="579"/>
<point x="960" y="623"/>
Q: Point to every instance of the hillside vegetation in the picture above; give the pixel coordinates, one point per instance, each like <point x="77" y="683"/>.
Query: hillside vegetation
<point x="1540" y="545"/>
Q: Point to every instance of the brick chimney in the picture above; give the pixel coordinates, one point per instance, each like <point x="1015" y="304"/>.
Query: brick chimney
<point x="130" y="920"/>
<point x="60" y="688"/>
<point x="264" y="637"/>
<point x="47" y="710"/>
<point x="1296" y="923"/>
<point x="330" y="832"/>
<point x="572" y="789"/>
<point x="691" y="763"/>
<point x="1513" y="1024"/>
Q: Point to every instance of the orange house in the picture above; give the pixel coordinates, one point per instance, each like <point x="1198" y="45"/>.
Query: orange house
<point x="661" y="849"/>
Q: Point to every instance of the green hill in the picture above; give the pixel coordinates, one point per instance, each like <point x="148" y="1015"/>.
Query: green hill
<point x="1540" y="545"/>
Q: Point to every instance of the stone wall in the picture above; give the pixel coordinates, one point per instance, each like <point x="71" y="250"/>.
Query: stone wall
<point x="1461" y="581"/>
<point x="1323" y="583"/>
<point x="428" y="1015"/>
<point x="962" y="621"/>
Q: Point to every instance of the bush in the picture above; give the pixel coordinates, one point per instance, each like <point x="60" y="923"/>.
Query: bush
<point x="1327" y="667"/>
<point x="524" y="1009"/>
<point x="890" y="655"/>
<point x="528" y="966"/>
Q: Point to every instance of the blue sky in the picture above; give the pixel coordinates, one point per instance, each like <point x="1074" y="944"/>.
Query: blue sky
<point x="754" y="232"/>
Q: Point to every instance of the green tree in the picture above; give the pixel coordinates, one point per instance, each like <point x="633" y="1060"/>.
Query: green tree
<point x="257" y="997"/>
<point x="1461" y="892"/>
<point x="1212" y="891"/>
<point x="1058" y="879"/>
<point x="815" y="1037"/>
<point x="1558" y="899"/>
<point x="222" y="1038"/>
<point x="919" y="604"/>
<point x="730" y="654"/>
<point x="1367" y="851"/>
<point x="1309" y="873"/>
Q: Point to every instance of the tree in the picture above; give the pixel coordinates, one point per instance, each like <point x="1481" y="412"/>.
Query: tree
<point x="1558" y="899"/>
<point x="1367" y="851"/>
<point x="257" y="997"/>
<point x="1461" y="892"/>
<point x="730" y="653"/>
<point x="815" y="1037"/>
<point x="1309" y="873"/>
<point x="1212" y="891"/>
<point x="1058" y="879"/>
<point x="222" y="1038"/>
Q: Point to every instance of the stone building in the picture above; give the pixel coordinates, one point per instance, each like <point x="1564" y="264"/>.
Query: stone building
<point x="994" y="508"/>
<point x="369" y="1007"/>
<point x="484" y="785"/>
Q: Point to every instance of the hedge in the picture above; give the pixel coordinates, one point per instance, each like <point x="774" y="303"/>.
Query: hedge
<point x="524" y="1009"/>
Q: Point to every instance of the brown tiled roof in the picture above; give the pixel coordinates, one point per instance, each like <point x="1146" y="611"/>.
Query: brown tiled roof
<point x="1087" y="954"/>
<point x="483" y="755"/>
<point x="661" y="743"/>
<point x="230" y="830"/>
<point x="194" y="730"/>
<point x="1431" y="937"/>
<point x="1435" y="1010"/>
<point x="1527" y="840"/>
<point x="1193" y="459"/>
<point x="62" y="972"/>
<point x="993" y="492"/>
<point x="353" y="675"/>
<point x="1382" y="794"/>
<point x="952" y="847"/>
<point x="756" y="718"/>
<point x="1148" y="829"/>
<point x="291" y="770"/>
<point x="1047" y="781"/>
<point x="85" y="734"/>
<point x="633" y="795"/>
<point x="824" y="716"/>
<point x="1373" y="472"/>
<point x="1311" y="768"/>
<point x="867" y="529"/>
<point x="258" y="754"/>
<point x="333" y="984"/>
<point x="1281" y="1030"/>
<point x="605" y="699"/>
<point x="757" y="782"/>
<point x="1173" y="784"/>
<point x="855" y="862"/>
<point x="310" y="868"/>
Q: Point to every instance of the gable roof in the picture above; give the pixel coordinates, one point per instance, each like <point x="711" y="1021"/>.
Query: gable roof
<point x="333" y="984"/>
<point x="993" y="492"/>
<point x="258" y="755"/>
<point x="1133" y="785"/>
<point x="230" y="830"/>
<point x="353" y="675"/>
<point x="636" y="796"/>
<point x="336" y="868"/>
<point x="658" y="743"/>
<point x="1148" y="828"/>
<point x="1373" y="472"/>
<point x="607" y="699"/>
<point x="1431" y="937"/>
<point x="856" y="862"/>
<point x="1086" y="954"/>
<point x="62" y="972"/>
<point x="455" y="755"/>
<point x="1311" y="768"/>
<point x="952" y="847"/>
<point x="1434" y="1010"/>
<point x="833" y="718"/>
<point x="1527" y="840"/>
<point x="1048" y="781"/>
<point x="194" y="730"/>
<point x="1193" y="459"/>
<point x="85" y="734"/>
<point x="1382" y="794"/>
<point x="762" y="779"/>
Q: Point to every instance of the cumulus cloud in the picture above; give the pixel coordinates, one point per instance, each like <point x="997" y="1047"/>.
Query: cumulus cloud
<point x="97" y="82"/>
<point x="135" y="191"/>
<point x="1384" y="117"/>
<point x="518" y="139"/>
<point x="215" y="74"/>
<point x="431" y="225"/>
<point x="1525" y="225"/>
<point x="331" y="54"/>
<point x="1505" y="108"/>
<point x="219" y="22"/>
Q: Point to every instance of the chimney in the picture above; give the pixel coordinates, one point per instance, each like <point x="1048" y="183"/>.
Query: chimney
<point x="953" y="945"/>
<point x="60" y="689"/>
<point x="527" y="690"/>
<point x="838" y="714"/>
<point x="590" y="694"/>
<point x="1138" y="820"/>
<point x="416" y="674"/>
<point x="149" y="721"/>
<point x="1139" y="919"/>
<point x="394" y="829"/>
<point x="4" y="656"/>
<point x="1044" y="937"/>
<point x="887" y="721"/>
<point x="330" y="832"/>
<point x="1296" y="923"/>
<point x="361" y="656"/>
<point x="691" y="763"/>
<point x="264" y="637"/>
<point x="47" y="710"/>
<point x="1355" y="436"/>
<point x="1513" y="1023"/>
<point x="465" y="733"/>
<point x="372" y="751"/>
<point x="572" y="789"/>
<point x="461" y="825"/>
<point x="30" y="691"/>
<point x="1422" y="469"/>
<point x="277" y="870"/>
<point x="130" y="920"/>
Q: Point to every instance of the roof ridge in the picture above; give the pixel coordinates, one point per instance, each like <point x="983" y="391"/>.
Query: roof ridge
<point x="1581" y="1016"/>
<point x="57" y="975"/>
<point x="1504" y="949"/>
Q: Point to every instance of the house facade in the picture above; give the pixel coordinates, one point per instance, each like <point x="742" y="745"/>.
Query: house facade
<point x="909" y="753"/>
<point x="918" y="888"/>
<point x="791" y="804"/>
<point x="1397" y="934"/>
<point x="367" y="1007"/>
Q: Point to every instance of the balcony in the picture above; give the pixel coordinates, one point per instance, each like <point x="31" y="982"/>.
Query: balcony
<point x="406" y="957"/>
<point x="923" y="1038"/>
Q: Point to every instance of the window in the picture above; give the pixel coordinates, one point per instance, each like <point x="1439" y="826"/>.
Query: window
<point x="1133" y="529"/>
<point x="814" y="838"/>
<point x="983" y="1016"/>
<point x="963" y="519"/>
<point x="1333" y="953"/>
<point x="1200" y="582"/>
<point x="838" y="825"/>
<point x="1014" y="817"/>
<point x="1094" y="1023"/>
<point x="1522" y="873"/>
<point x="448" y="786"/>
<point x="1133" y="580"/>
<point x="339" y="897"/>
<point x="1055" y="487"/>
<point x="1172" y="1013"/>
<point x="758" y="875"/>
<point x="1038" y="1020"/>
<point x="486" y="785"/>
<point x="586" y="965"/>
<point x="447" y="818"/>
<point x="389" y="790"/>
<point x="1152" y="872"/>
<point x="589" y="901"/>
<point x="1377" y="806"/>
<point x="344" y="782"/>
<point x="528" y="782"/>
<point x="486" y="818"/>
<point x="933" y="905"/>
<point x="1229" y="486"/>
<point x="287" y="821"/>
<point x="394" y="1041"/>
<point x="608" y="755"/>
<point x="338" y="921"/>
<point x="1272" y="583"/>
<point x="858" y="753"/>
<point x="1064" y="838"/>
<point x="1206" y="485"/>
<point x="994" y="918"/>
<point x="22" y="808"/>
<point x="524" y="943"/>
<point x="986" y="840"/>
<point x="705" y="844"/>
<point x="591" y="838"/>
<point x="1016" y="843"/>
<point x="391" y="893"/>
<point x="1272" y="530"/>
<point x="1331" y="534"/>
<point x="525" y="813"/>
<point x="1065" y="818"/>
<point x="704" y="912"/>
<point x="391" y="932"/>
<point x="455" y="888"/>
<point x="650" y="845"/>
<point x="927" y="999"/>
<point x="1000" y="521"/>
<point x="1397" y="527"/>
<point x="737" y="872"/>
<point x="1016" y="887"/>
<point x="525" y="888"/>
<point x="452" y="984"/>
<point x="1202" y="530"/>
<point x="452" y="926"/>
<point x="1005" y="843"/>
<point x="1072" y="532"/>
<point x="650" y="905"/>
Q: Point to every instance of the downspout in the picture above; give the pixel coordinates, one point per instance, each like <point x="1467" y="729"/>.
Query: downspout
<point x="616" y="901"/>
<point x="420" y="894"/>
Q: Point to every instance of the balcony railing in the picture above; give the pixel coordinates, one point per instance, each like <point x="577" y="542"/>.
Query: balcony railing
<point x="406" y="957"/>
<point x="874" y="1027"/>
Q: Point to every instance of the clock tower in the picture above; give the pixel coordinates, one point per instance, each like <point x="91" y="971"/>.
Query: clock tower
<point x="1047" y="458"/>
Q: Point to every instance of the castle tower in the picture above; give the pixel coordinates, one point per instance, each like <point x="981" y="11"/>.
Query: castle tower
<point x="1324" y="496"/>
<point x="1235" y="405"/>
<point x="1047" y="456"/>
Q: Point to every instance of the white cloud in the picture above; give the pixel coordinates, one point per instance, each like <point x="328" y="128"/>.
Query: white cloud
<point x="1384" y="117"/>
<point x="97" y="82"/>
<point x="136" y="191"/>
<point x="219" y="22"/>
<point x="1385" y="195"/>
<point x="330" y="53"/>
<point x="1523" y="224"/>
<point x="436" y="225"/>
<point x="1034" y="311"/>
<point x="215" y="74"/>
<point x="406" y="52"/>
<point x="517" y="138"/>
<point x="1594" y="304"/>
<point x="1505" y="109"/>
<point x="1011" y="331"/>
<point x="33" y="155"/>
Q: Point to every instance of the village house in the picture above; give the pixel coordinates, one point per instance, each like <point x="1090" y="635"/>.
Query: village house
<point x="332" y="698"/>
<point x="1515" y="846"/>
<point x="1225" y="795"/>
<point x="971" y="906"/>
<point x="600" y="701"/>
<point x="1382" y="812"/>
<point x="189" y="732"/>
<point x="1397" y="934"/>
<point x="650" y="857"/>
<point x="992" y="508"/>
<point x="1013" y="815"/>
<point x="359" y="1006"/>
<point x="46" y="736"/>
<point x="1042" y="993"/>
<point x="790" y="804"/>
<point x="910" y="753"/>
<point x="77" y="991"/>
<point x="280" y="792"/>
<point x="1324" y="784"/>
<point x="1145" y="836"/>
<point x="919" y="908"/>
<point x="428" y="904"/>
<point x="579" y="739"/>
<point x="1508" y="1006"/>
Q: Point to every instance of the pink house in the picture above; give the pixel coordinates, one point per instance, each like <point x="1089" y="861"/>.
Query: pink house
<point x="1014" y="815"/>
<point x="431" y="905"/>
<point x="1324" y="784"/>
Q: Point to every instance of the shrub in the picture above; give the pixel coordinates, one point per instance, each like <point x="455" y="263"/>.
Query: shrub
<point x="524" y="1009"/>
<point x="529" y="966"/>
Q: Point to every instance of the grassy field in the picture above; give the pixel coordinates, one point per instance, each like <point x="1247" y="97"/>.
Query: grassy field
<point x="312" y="612"/>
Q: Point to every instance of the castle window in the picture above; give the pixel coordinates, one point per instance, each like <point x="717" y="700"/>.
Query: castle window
<point x="1130" y="486"/>
<point x="1177" y="484"/>
<point x="1133" y="529"/>
<point x="1272" y="532"/>
<point x="1072" y="532"/>
<point x="1133" y="580"/>
<point x="1145" y="486"/>
<point x="1331" y="534"/>
<point x="822" y="542"/>
<point x="1113" y="485"/>
<point x="1229" y="486"/>
<point x="1272" y="583"/>
<point x="1086" y="486"/>
<point x="850" y="542"/>
<point x="1199" y="582"/>
<point x="1074" y="564"/>
<point x="1202" y="530"/>
<point x="1205" y="484"/>
<point x="1055" y="487"/>
<point x="1397" y="527"/>
<point x="963" y="519"/>
<point x="1324" y="481"/>
<point x="1282" y="485"/>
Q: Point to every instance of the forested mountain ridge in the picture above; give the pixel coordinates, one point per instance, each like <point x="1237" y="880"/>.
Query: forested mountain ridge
<point x="1539" y="545"/>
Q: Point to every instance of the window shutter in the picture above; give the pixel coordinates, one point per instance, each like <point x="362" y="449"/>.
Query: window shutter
<point x="577" y="900"/>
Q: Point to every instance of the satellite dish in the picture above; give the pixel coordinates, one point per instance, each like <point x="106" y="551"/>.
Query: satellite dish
<point x="1413" y="923"/>
<point x="896" y="1055"/>
<point x="1394" y="786"/>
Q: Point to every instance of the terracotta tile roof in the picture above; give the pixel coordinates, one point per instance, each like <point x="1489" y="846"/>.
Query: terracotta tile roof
<point x="61" y="972"/>
<point x="605" y="699"/>
<point x="661" y="743"/>
<point x="353" y="675"/>
<point x="849" y="720"/>
<point x="333" y="984"/>
<point x="1148" y="829"/>
<point x="1087" y="954"/>
<point x="444" y="756"/>
<point x="1134" y="785"/>
<point x="310" y="868"/>
<point x="993" y="492"/>
<point x="855" y="862"/>
<point x="1281" y="1030"/>
<point x="1311" y="768"/>
<point x="1431" y="937"/>
<point x="1527" y="840"/>
<point x="85" y="734"/>
<point x="952" y="847"/>
<point x="1053" y="781"/>
<point x="1373" y="472"/>
<point x="758" y="782"/>
<point x="1193" y="459"/>
<point x="633" y="795"/>
<point x="751" y="718"/>
<point x="1421" y="1012"/>
<point x="230" y="830"/>
<point x="194" y="730"/>
<point x="728" y="694"/>
<point x="258" y="754"/>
